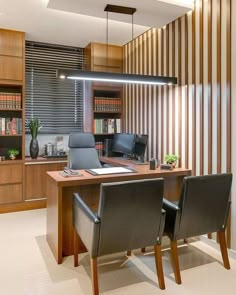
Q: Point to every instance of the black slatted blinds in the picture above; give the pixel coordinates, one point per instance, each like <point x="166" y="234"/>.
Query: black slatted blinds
<point x="57" y="103"/>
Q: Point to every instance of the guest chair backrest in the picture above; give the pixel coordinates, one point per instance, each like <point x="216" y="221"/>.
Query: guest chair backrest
<point x="130" y="214"/>
<point x="82" y="151"/>
<point x="204" y="204"/>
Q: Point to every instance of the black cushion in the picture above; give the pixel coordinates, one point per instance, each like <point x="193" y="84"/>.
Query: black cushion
<point x="130" y="216"/>
<point x="203" y="206"/>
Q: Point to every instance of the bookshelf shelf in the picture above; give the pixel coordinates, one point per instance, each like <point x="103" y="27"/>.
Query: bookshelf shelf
<point x="11" y="110"/>
<point x="108" y="112"/>
<point x="10" y="162"/>
<point x="10" y="135"/>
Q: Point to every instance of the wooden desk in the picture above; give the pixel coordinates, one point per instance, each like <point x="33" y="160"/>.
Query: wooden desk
<point x="60" y="191"/>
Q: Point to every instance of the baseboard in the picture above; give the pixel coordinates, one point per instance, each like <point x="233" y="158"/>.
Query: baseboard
<point x="22" y="206"/>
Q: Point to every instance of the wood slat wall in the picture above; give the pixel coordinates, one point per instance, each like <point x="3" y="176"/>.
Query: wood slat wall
<point x="192" y="119"/>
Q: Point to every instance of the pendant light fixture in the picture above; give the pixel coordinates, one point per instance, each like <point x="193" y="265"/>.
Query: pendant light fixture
<point x="116" y="77"/>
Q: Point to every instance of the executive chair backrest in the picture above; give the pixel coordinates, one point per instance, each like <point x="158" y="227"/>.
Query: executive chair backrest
<point x="204" y="204"/>
<point x="130" y="214"/>
<point x="82" y="151"/>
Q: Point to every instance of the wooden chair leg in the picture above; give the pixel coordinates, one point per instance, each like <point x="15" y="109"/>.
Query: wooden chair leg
<point x="143" y="250"/>
<point x="223" y="248"/>
<point x="76" y="247"/>
<point x="159" y="267"/>
<point x="94" y="273"/>
<point x="128" y="253"/>
<point x="175" y="261"/>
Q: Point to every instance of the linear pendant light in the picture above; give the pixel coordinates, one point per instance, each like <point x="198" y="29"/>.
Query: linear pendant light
<point x="116" y="77"/>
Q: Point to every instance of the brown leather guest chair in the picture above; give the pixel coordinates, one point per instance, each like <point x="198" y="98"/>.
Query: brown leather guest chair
<point x="203" y="208"/>
<point x="129" y="216"/>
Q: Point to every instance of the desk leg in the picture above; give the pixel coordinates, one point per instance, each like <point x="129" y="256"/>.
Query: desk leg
<point x="54" y="218"/>
<point x="172" y="187"/>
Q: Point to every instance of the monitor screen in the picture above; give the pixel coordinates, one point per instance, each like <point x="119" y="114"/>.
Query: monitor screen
<point x="123" y="143"/>
<point x="140" y="145"/>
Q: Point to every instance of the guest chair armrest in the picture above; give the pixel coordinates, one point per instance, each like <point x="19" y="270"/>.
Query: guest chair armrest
<point x="162" y="225"/>
<point x="86" y="223"/>
<point x="172" y="218"/>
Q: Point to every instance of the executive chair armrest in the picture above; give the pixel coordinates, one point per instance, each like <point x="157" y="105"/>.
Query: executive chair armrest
<point x="162" y="225"/>
<point x="173" y="213"/>
<point x="86" y="223"/>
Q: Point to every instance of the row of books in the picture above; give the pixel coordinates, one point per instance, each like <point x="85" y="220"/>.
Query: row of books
<point x="10" y="126"/>
<point x="10" y="100"/>
<point x="99" y="147"/>
<point x="105" y="104"/>
<point x="107" y="126"/>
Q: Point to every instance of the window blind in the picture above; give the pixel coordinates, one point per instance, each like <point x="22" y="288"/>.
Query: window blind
<point x="57" y="103"/>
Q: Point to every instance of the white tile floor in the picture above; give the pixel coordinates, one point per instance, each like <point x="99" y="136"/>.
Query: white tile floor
<point x="28" y="267"/>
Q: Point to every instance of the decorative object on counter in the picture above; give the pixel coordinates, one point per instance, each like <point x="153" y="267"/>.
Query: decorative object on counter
<point x="13" y="153"/>
<point x="34" y="126"/>
<point x="171" y="159"/>
<point x="152" y="164"/>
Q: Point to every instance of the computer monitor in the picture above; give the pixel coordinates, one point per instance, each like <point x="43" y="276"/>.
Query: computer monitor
<point x="140" y="146"/>
<point x="123" y="143"/>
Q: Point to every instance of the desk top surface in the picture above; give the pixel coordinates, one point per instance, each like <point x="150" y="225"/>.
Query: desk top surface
<point x="143" y="172"/>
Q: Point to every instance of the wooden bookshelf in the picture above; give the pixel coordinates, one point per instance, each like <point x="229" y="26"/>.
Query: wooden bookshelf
<point x="12" y="115"/>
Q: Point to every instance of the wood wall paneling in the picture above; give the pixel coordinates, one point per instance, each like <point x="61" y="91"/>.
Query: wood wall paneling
<point x="192" y="119"/>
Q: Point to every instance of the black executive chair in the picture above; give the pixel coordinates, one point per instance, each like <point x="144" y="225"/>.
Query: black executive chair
<point x="82" y="151"/>
<point x="129" y="216"/>
<point x="203" y="208"/>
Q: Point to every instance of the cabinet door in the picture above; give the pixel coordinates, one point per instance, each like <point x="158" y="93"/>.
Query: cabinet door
<point x="11" y="174"/>
<point x="110" y="57"/>
<point x="11" y="43"/>
<point x="35" y="179"/>
<point x="11" y="68"/>
<point x="10" y="193"/>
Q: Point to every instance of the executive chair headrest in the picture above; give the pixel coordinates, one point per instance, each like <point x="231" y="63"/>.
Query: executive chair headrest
<point x="81" y="140"/>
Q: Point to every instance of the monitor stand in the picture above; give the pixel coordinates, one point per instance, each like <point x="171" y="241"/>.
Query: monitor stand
<point x="140" y="161"/>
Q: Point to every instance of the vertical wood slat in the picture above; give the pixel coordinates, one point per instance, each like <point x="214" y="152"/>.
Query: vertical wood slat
<point x="187" y="93"/>
<point x="201" y="88"/>
<point x="173" y="89"/>
<point x="209" y="88"/>
<point x="228" y="105"/>
<point x="219" y="86"/>
<point x="193" y="93"/>
<point x="180" y="88"/>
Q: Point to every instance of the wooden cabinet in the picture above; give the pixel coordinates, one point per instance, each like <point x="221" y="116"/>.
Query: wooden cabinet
<point x="11" y="183"/>
<point x="103" y="101"/>
<point x="35" y="178"/>
<point x="12" y="88"/>
<point x="12" y="55"/>
<point x="101" y="57"/>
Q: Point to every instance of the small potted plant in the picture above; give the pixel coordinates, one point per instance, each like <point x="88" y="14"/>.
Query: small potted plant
<point x="34" y="126"/>
<point x="171" y="159"/>
<point x="13" y="153"/>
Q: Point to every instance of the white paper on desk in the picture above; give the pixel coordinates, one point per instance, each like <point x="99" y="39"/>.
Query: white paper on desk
<point x="111" y="170"/>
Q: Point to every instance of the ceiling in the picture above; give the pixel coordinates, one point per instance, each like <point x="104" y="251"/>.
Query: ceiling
<point x="78" y="22"/>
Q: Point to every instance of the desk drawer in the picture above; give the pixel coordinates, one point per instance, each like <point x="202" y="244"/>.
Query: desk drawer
<point x="11" y="173"/>
<point x="10" y="193"/>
